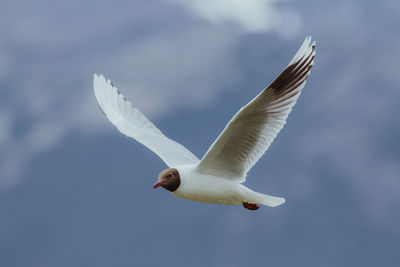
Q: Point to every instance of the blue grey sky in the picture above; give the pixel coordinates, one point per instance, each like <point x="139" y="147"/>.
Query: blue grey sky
<point x="75" y="192"/>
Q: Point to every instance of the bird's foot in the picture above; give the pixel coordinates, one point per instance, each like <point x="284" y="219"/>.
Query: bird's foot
<point x="250" y="206"/>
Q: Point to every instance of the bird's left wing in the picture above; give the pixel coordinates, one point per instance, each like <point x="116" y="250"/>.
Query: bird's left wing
<point x="250" y="132"/>
<point x="131" y="122"/>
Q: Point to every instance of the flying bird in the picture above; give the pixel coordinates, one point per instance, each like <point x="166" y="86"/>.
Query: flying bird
<point x="218" y="176"/>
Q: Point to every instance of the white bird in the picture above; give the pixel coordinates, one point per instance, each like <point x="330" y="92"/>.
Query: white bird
<point x="218" y="176"/>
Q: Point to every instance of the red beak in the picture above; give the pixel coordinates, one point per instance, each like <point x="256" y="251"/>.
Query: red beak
<point x="156" y="185"/>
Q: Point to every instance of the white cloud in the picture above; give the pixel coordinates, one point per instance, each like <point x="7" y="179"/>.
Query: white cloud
<point x="47" y="61"/>
<point x="48" y="74"/>
<point x="252" y="16"/>
<point x="194" y="65"/>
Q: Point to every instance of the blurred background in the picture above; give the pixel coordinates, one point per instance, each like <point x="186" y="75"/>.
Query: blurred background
<point x="75" y="192"/>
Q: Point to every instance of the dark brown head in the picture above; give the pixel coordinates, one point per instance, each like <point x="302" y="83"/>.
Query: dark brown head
<point x="169" y="179"/>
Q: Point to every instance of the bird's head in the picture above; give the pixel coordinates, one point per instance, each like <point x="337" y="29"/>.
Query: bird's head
<point x="169" y="179"/>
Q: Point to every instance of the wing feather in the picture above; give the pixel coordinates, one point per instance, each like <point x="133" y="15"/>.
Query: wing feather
<point x="251" y="131"/>
<point x="131" y="122"/>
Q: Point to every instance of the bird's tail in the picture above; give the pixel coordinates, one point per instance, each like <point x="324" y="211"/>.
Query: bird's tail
<point x="269" y="201"/>
<point x="255" y="197"/>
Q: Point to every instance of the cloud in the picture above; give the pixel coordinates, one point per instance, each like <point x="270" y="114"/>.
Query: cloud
<point x="47" y="62"/>
<point x="336" y="161"/>
<point x="196" y="65"/>
<point x="256" y="16"/>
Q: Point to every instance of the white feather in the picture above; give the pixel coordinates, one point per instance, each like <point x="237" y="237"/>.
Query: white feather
<point x="251" y="131"/>
<point x="131" y="122"/>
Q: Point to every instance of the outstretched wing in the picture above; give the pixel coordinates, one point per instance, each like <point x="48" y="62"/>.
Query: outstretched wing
<point x="131" y="122"/>
<point x="251" y="131"/>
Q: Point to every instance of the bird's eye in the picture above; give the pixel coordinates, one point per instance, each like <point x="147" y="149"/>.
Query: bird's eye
<point x="170" y="175"/>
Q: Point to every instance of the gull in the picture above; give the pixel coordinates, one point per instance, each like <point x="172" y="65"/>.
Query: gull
<point x="218" y="176"/>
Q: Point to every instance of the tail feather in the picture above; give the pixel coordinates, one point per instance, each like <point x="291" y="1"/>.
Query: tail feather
<point x="270" y="201"/>
<point x="255" y="197"/>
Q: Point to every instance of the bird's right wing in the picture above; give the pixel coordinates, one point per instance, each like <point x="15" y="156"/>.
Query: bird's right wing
<point x="251" y="131"/>
<point x="131" y="122"/>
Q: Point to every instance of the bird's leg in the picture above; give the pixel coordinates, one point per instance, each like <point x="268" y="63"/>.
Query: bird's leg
<point x="250" y="206"/>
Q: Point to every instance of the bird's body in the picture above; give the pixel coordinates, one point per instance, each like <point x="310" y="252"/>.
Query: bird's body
<point x="220" y="190"/>
<point x="218" y="176"/>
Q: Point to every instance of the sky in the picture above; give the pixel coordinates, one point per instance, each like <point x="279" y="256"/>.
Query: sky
<point x="76" y="192"/>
